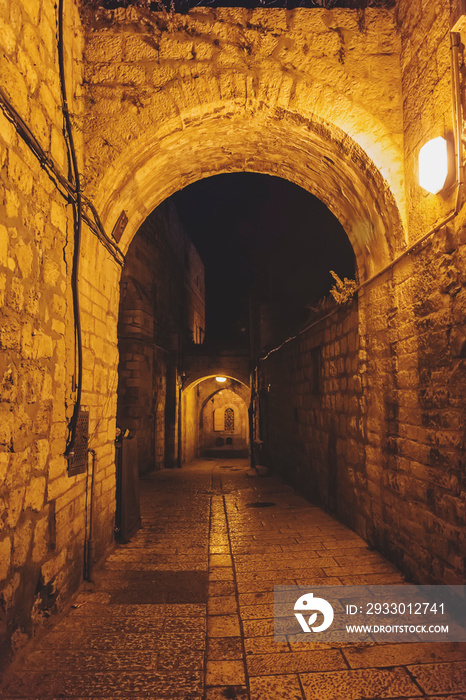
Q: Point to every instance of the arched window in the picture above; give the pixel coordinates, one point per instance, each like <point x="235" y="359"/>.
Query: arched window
<point x="229" y="420"/>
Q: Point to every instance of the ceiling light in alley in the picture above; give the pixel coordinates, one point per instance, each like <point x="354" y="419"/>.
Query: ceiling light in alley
<point x="433" y="165"/>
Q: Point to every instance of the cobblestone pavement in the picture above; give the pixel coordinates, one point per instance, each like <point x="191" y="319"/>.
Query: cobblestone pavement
<point x="185" y="609"/>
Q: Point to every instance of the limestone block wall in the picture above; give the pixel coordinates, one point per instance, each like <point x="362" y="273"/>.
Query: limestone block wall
<point x="42" y="510"/>
<point x="383" y="445"/>
<point x="431" y="341"/>
<point x="312" y="414"/>
<point x="162" y="308"/>
<point x="190" y="424"/>
<point x="427" y="104"/>
<point x="409" y="492"/>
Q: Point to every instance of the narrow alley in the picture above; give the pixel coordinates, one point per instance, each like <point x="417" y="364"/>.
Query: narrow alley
<point x="185" y="610"/>
<point x="228" y="229"/>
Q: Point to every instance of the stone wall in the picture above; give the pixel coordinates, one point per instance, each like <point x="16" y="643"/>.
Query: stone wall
<point x="428" y="454"/>
<point x="161" y="311"/>
<point x="43" y="514"/>
<point x="312" y="414"/>
<point x="407" y="493"/>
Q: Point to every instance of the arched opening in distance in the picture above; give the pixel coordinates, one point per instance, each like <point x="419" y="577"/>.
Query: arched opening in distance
<point x="257" y="251"/>
<point x="215" y="421"/>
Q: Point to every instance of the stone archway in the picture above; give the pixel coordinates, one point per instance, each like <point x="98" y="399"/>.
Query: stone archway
<point x="376" y="234"/>
<point x="320" y="124"/>
<point x="176" y="99"/>
<point x="315" y="155"/>
<point x="197" y="424"/>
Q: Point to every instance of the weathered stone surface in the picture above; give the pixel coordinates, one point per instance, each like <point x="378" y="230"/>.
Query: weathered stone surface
<point x="114" y="643"/>
<point x="5" y="557"/>
<point x="337" y="101"/>
<point x="149" y="315"/>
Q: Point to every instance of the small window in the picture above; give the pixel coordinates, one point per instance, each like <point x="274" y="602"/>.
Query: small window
<point x="229" y="420"/>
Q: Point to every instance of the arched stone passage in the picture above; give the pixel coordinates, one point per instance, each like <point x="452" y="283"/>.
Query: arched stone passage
<point x="171" y="105"/>
<point x="199" y="401"/>
<point x="317" y="156"/>
<point x="224" y="424"/>
<point x="266" y="91"/>
<point x="237" y="377"/>
<point x="327" y="99"/>
<point x="197" y="427"/>
<point x="240" y="133"/>
<point x="162" y="115"/>
<point x="203" y="363"/>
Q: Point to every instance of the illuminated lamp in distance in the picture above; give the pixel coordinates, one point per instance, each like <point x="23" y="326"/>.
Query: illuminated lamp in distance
<point x="434" y="165"/>
<point x="221" y="380"/>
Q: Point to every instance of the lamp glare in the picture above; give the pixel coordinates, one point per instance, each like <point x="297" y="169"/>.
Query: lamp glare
<point x="433" y="165"/>
<point x="221" y="379"/>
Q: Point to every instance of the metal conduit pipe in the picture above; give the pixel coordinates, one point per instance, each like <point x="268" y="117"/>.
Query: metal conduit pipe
<point x="455" y="41"/>
<point x="90" y="542"/>
<point x="77" y="216"/>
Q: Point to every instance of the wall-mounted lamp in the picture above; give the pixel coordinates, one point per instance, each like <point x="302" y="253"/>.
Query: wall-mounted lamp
<point x="221" y="380"/>
<point x="434" y="161"/>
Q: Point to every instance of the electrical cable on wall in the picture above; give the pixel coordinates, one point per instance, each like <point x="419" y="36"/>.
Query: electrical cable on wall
<point x="63" y="185"/>
<point x="77" y="220"/>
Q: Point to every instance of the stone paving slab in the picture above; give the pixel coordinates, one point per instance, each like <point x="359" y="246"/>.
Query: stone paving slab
<point x="440" y="678"/>
<point x="356" y="685"/>
<point x="224" y="648"/>
<point x="400" y="654"/>
<point x="298" y="662"/>
<point x="185" y="610"/>
<point x="123" y="684"/>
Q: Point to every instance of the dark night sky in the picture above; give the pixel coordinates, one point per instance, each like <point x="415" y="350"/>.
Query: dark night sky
<point x="263" y="237"/>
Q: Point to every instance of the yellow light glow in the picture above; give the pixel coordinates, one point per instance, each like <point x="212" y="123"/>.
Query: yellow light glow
<point x="221" y="379"/>
<point x="433" y="165"/>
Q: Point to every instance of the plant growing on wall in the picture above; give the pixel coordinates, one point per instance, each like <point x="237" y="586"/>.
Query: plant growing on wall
<point x="343" y="290"/>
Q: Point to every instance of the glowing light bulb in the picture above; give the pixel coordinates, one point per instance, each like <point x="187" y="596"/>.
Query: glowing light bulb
<point x="433" y="165"/>
<point x="221" y="379"/>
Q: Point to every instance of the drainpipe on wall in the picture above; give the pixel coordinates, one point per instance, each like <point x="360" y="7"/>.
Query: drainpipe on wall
<point x="253" y="362"/>
<point x="180" y="389"/>
<point x="90" y="543"/>
<point x="251" y="416"/>
<point x="455" y="42"/>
